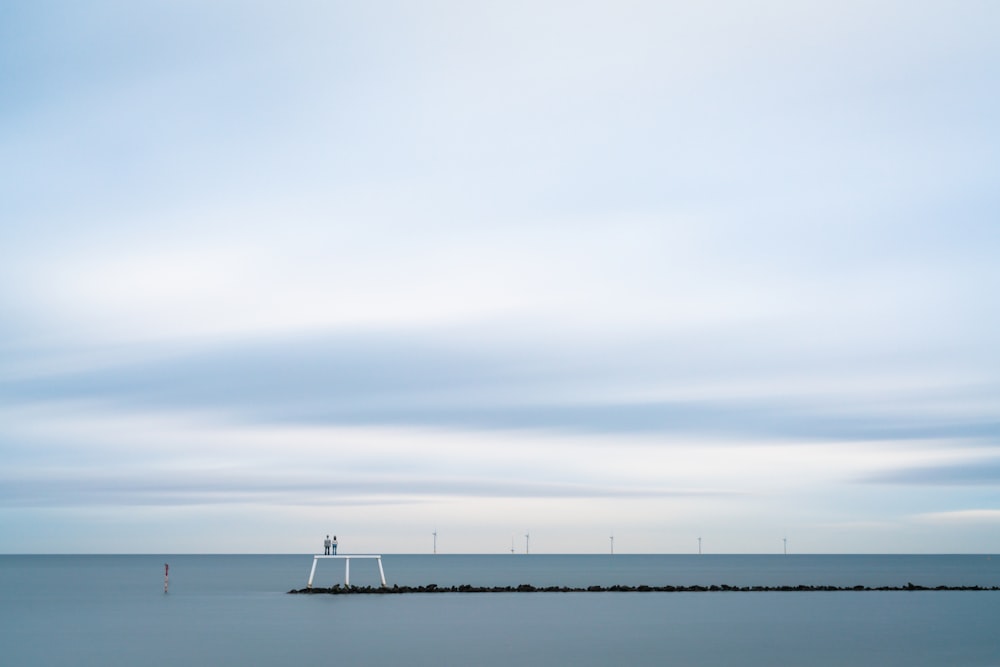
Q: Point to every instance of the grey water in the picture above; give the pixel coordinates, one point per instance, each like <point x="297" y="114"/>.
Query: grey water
<point x="230" y="610"/>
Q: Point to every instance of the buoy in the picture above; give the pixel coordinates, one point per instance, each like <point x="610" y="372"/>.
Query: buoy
<point x="166" y="576"/>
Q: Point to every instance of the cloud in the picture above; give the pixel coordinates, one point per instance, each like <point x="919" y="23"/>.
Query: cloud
<point x="981" y="472"/>
<point x="207" y="487"/>
<point x="973" y="516"/>
<point x="426" y="380"/>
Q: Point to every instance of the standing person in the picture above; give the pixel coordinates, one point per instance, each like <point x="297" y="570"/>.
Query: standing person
<point x="334" y="544"/>
<point x="326" y="546"/>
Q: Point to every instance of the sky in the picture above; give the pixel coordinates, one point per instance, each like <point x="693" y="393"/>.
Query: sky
<point x="664" y="271"/>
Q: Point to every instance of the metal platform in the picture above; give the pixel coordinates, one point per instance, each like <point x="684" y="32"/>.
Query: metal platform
<point x="347" y="567"/>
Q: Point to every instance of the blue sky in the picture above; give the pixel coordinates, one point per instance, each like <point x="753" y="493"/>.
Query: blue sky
<point x="651" y="269"/>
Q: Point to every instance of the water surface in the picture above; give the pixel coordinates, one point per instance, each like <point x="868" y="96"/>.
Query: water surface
<point x="233" y="610"/>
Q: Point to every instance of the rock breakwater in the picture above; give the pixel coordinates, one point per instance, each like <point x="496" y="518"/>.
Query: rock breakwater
<point x="528" y="588"/>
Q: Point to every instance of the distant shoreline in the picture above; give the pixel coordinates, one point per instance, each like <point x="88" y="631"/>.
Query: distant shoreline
<point x="528" y="588"/>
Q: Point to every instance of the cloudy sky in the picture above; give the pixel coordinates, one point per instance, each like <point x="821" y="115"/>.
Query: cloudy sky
<point x="657" y="270"/>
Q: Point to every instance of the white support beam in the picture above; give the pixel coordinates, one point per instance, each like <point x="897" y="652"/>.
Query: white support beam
<point x="312" y="572"/>
<point x="381" y="572"/>
<point x="347" y="566"/>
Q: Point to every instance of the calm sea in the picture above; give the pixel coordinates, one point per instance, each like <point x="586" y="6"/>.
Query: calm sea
<point x="110" y="611"/>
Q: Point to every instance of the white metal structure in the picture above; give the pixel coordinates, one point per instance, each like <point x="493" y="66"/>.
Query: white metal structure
<point x="347" y="567"/>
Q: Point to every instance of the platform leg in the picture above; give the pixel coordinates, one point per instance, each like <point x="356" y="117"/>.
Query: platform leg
<point x="347" y="572"/>
<point x="381" y="572"/>
<point x="312" y="573"/>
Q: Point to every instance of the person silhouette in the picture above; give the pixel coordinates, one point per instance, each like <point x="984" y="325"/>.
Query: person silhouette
<point x="334" y="545"/>
<point x="326" y="546"/>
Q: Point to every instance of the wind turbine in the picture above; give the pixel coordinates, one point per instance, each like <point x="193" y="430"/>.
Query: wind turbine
<point x="512" y="542"/>
<point x="612" y="545"/>
<point x="527" y="539"/>
<point x="435" y="534"/>
<point x="699" y="546"/>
